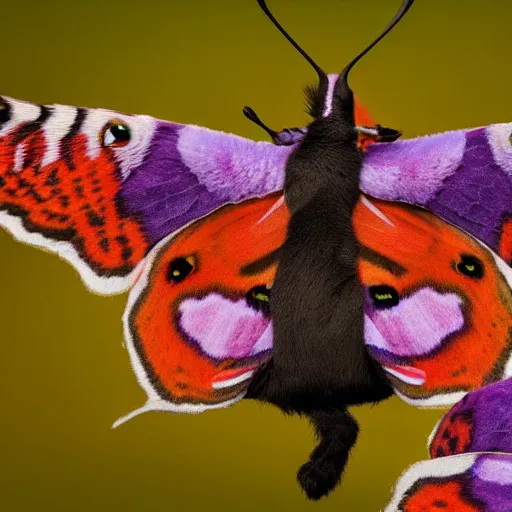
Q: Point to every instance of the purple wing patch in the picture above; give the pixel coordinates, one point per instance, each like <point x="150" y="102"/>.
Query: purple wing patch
<point x="224" y="329"/>
<point x="481" y="421"/>
<point x="191" y="171"/>
<point x="463" y="176"/>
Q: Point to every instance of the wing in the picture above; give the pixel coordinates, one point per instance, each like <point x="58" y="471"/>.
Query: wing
<point x="438" y="306"/>
<point x="197" y="323"/>
<point x="475" y="482"/>
<point x="464" y="177"/>
<point x="482" y="421"/>
<point x="100" y="188"/>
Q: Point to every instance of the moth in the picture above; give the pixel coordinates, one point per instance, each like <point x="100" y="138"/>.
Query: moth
<point x="191" y="223"/>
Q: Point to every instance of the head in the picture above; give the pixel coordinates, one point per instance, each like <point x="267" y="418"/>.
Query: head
<point x="329" y="89"/>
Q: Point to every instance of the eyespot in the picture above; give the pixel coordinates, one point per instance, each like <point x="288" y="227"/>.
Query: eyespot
<point x="510" y="139"/>
<point x="5" y="111"/>
<point x="116" y="134"/>
<point x="470" y="266"/>
<point x="259" y="299"/>
<point x="179" y="269"/>
<point x="383" y="296"/>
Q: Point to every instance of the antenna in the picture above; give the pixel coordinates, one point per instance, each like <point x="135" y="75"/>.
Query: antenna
<point x="321" y="74"/>
<point x="252" y="116"/>
<point x="342" y="87"/>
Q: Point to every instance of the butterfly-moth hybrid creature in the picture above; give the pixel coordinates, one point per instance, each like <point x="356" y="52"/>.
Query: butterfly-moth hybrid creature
<point x="191" y="221"/>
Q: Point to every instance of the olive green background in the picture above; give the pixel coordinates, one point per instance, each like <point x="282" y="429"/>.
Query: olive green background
<point x="63" y="372"/>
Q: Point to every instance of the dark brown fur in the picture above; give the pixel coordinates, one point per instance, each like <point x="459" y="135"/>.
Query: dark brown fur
<point x="320" y="364"/>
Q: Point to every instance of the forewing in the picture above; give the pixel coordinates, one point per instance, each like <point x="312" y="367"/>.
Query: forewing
<point x="71" y="183"/>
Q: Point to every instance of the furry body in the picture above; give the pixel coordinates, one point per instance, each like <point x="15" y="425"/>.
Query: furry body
<point x="320" y="364"/>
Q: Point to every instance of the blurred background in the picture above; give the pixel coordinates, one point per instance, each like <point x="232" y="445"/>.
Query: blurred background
<point x="64" y="376"/>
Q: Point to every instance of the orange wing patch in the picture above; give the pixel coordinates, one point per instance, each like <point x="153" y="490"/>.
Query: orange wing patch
<point x="71" y="198"/>
<point x="471" y="482"/>
<point x="506" y="241"/>
<point x="438" y="497"/>
<point x="464" y="341"/>
<point x="196" y="314"/>
<point x="198" y="318"/>
<point x="453" y="435"/>
<point x="73" y="201"/>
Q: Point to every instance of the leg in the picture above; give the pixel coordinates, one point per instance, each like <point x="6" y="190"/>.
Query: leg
<point x="337" y="432"/>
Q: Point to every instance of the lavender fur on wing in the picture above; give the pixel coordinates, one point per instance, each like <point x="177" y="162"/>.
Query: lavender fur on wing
<point x="190" y="171"/>
<point x="462" y="176"/>
<point x="411" y="170"/>
<point x="492" y="481"/>
<point x="490" y="409"/>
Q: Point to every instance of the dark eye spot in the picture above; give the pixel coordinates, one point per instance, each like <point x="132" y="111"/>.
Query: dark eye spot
<point x="5" y="111"/>
<point x="470" y="267"/>
<point x="179" y="269"/>
<point x="116" y="134"/>
<point x="383" y="296"/>
<point x="259" y="299"/>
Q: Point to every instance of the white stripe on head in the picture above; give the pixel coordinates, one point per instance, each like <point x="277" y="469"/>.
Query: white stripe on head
<point x="331" y="82"/>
